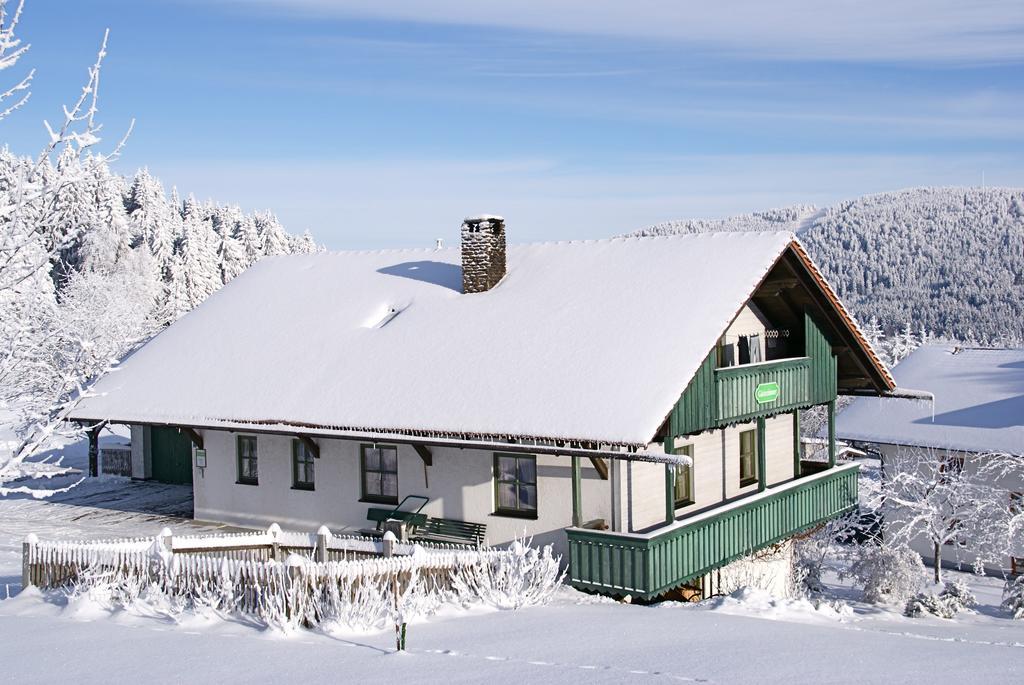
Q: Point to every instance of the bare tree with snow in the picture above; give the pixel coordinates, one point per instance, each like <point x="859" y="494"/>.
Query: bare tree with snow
<point x="947" y="499"/>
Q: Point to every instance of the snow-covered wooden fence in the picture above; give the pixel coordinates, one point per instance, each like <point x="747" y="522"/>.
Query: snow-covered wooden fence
<point x="54" y="564"/>
<point x="293" y="579"/>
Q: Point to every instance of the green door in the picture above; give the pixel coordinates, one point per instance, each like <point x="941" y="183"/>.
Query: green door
<point x="171" y="452"/>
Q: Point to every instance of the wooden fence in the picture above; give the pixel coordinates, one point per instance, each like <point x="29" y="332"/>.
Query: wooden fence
<point x="116" y="461"/>
<point x="56" y="564"/>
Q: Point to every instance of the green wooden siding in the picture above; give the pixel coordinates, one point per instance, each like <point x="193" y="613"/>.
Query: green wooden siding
<point x="719" y="397"/>
<point x="824" y="368"/>
<point x="647" y="566"/>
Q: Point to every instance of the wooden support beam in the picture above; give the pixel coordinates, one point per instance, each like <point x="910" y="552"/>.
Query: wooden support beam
<point x="94" y="449"/>
<point x="577" y="494"/>
<point x="601" y="466"/>
<point x="796" y="444"/>
<point x="311" y="445"/>
<point x="776" y="286"/>
<point x="194" y="436"/>
<point x="424" y="452"/>
<point x="831" y="433"/>
<point x="670" y="493"/>
<point x="762" y="461"/>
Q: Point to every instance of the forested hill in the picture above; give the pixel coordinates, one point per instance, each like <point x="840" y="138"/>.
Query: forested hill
<point x="94" y="221"/>
<point x="950" y="260"/>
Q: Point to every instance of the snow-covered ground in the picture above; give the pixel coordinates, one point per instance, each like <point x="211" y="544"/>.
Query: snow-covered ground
<point x="746" y="637"/>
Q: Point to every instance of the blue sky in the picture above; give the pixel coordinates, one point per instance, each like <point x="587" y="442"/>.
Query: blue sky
<point x="383" y="124"/>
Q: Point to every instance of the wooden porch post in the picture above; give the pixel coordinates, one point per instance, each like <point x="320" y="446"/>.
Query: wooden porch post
<point x="670" y="493"/>
<point x="796" y="444"/>
<point x="94" y="450"/>
<point x="831" y="433"/>
<point x="762" y="461"/>
<point x="616" y="503"/>
<point x="577" y="505"/>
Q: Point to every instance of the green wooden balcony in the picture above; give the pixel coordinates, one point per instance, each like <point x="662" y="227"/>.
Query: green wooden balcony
<point x="646" y="565"/>
<point x="719" y="397"/>
<point x="763" y="389"/>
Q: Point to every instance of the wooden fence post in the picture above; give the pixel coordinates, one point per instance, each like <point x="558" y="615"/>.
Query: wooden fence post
<point x="388" y="550"/>
<point x="275" y="547"/>
<point x="26" y="556"/>
<point x="167" y="539"/>
<point x="323" y="534"/>
<point x="294" y="564"/>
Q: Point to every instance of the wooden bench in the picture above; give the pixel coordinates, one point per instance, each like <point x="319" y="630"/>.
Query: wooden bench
<point x="413" y="519"/>
<point x="451" y="530"/>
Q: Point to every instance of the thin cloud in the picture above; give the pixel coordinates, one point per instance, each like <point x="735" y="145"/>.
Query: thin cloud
<point x="979" y="31"/>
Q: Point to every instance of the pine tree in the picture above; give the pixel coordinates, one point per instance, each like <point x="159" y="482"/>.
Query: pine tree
<point x="272" y="236"/>
<point x="230" y="257"/>
<point x="248" y="238"/>
<point x="303" y="244"/>
<point x="110" y="240"/>
<point x="199" y="264"/>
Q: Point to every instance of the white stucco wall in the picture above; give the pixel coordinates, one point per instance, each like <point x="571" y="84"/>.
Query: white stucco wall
<point x="460" y="487"/>
<point x="142" y="467"/>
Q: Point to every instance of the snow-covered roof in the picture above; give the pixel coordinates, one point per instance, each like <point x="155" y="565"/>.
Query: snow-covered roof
<point x="979" y="403"/>
<point x="590" y="341"/>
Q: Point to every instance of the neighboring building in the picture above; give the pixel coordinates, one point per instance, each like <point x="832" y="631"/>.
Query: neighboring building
<point x="978" y="409"/>
<point x="547" y="389"/>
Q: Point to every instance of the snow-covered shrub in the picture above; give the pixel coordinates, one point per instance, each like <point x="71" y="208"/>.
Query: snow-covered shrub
<point x="958" y="593"/>
<point x="524" y="576"/>
<point x="926" y="603"/>
<point x="888" y="574"/>
<point x="1013" y="596"/>
<point x="955" y="597"/>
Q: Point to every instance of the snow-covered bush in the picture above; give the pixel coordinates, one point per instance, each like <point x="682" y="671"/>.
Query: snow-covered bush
<point x="1013" y="596"/>
<point x="926" y="603"/>
<point x="955" y="597"/>
<point x="524" y="576"/>
<point x="958" y="593"/>
<point x="888" y="574"/>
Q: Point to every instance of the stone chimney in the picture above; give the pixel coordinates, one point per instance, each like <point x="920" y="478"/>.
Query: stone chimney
<point x="483" y="253"/>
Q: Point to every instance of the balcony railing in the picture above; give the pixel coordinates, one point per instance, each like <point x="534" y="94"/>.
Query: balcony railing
<point x="646" y="565"/>
<point x="762" y="389"/>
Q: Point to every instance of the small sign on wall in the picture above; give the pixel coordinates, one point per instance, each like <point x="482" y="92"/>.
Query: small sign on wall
<point x="200" y="459"/>
<point x="766" y="392"/>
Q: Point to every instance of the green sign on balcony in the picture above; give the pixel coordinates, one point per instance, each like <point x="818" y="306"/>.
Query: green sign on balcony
<point x="766" y="392"/>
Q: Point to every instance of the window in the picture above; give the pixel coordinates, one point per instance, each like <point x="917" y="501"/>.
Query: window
<point x="684" y="479"/>
<point x="379" y="465"/>
<point x="726" y="353"/>
<point x="248" y="473"/>
<point x="302" y="466"/>
<point x="748" y="457"/>
<point x="515" y="485"/>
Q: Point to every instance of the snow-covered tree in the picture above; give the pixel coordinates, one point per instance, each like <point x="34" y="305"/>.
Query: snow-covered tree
<point x="40" y="223"/>
<point x="79" y="244"/>
<point x="248" y="237"/>
<point x="200" y="272"/>
<point x="946" y="500"/>
<point x="272" y="236"/>
<point x="109" y="240"/>
<point x="903" y="343"/>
